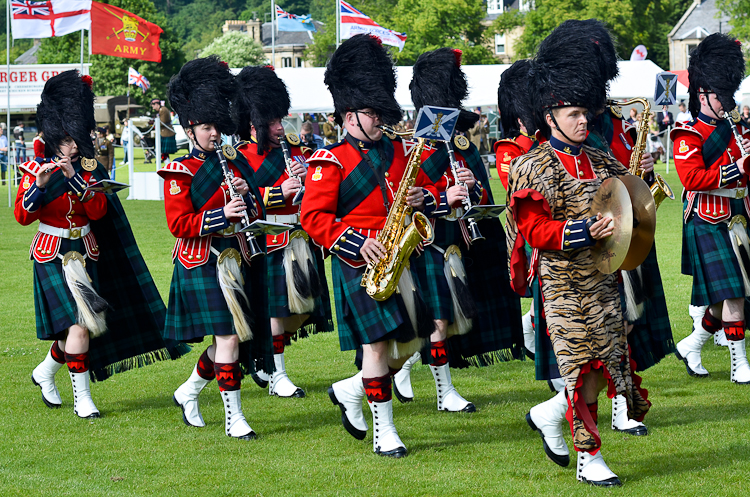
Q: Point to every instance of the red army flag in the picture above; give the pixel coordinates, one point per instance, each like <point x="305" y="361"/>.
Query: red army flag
<point x="119" y="33"/>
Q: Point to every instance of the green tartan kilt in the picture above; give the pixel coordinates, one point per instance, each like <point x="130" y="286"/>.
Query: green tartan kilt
<point x="197" y="307"/>
<point x="55" y="309"/>
<point x="362" y="319"/>
<point x="713" y="265"/>
<point x="428" y="268"/>
<point x="168" y="145"/>
<point x="321" y="319"/>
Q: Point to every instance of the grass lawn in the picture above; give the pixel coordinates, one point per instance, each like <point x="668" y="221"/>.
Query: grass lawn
<point x="698" y="442"/>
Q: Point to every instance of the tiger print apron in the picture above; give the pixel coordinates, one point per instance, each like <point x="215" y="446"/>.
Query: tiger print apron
<point x="581" y="304"/>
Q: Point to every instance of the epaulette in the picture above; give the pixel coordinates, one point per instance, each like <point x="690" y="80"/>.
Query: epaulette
<point x="333" y="145"/>
<point x="508" y="141"/>
<point x="31" y="167"/>
<point x="684" y="127"/>
<point x="323" y="154"/>
<point x="176" y="167"/>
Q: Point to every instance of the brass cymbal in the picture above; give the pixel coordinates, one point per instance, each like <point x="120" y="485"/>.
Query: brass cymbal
<point x="612" y="200"/>
<point x="644" y="221"/>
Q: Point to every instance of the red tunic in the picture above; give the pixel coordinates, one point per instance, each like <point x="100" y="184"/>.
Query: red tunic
<point x="38" y="146"/>
<point x="508" y="149"/>
<point x="697" y="177"/>
<point x="273" y="197"/>
<point x="194" y="229"/>
<point x="70" y="211"/>
<point x="344" y="237"/>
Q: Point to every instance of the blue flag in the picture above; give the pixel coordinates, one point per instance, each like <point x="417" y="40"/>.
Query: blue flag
<point x="290" y="22"/>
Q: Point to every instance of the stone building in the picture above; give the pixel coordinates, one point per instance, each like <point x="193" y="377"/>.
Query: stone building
<point x="290" y="46"/>
<point x="701" y="19"/>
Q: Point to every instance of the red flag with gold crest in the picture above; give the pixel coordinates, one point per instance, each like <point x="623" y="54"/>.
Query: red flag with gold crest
<point x="120" y="33"/>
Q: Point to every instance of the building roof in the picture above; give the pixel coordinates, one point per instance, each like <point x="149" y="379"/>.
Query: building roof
<point x="702" y="18"/>
<point x="289" y="38"/>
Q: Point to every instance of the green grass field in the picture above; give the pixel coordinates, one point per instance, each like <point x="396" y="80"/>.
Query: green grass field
<point x="698" y="443"/>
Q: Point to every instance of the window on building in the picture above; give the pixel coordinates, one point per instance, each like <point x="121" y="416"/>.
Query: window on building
<point x="299" y="61"/>
<point x="525" y="5"/>
<point x="286" y="62"/>
<point x="500" y="44"/>
<point x="494" y="6"/>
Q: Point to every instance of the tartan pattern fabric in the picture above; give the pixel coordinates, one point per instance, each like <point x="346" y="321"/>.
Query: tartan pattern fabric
<point x="715" y="270"/>
<point x="474" y="162"/>
<point x="362" y="319"/>
<point x="545" y="362"/>
<point x="168" y="145"/>
<point x="437" y="163"/>
<point x="428" y="268"/>
<point x="136" y="315"/>
<point x="651" y="339"/>
<point x="210" y="175"/>
<point x="715" y="144"/>
<point x="359" y="183"/>
<point x="55" y="309"/>
<point x="321" y="319"/>
<point x="600" y="134"/>
<point x="197" y="307"/>
<point x="271" y="169"/>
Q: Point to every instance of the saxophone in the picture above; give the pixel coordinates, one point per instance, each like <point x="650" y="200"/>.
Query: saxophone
<point x="660" y="190"/>
<point x="399" y="237"/>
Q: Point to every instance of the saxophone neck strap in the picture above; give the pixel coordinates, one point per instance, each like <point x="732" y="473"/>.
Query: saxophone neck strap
<point x="375" y="170"/>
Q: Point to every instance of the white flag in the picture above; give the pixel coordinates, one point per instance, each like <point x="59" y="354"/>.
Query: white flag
<point x="639" y="53"/>
<point x="47" y="18"/>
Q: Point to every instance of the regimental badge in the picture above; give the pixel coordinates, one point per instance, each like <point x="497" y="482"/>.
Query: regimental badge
<point x="567" y="150"/>
<point x="229" y="152"/>
<point x="507" y="157"/>
<point x="26" y="183"/>
<point x="735" y="114"/>
<point x="174" y="188"/>
<point x="683" y="147"/>
<point x="462" y="143"/>
<point x="292" y="139"/>
<point x="617" y="111"/>
<point x="318" y="174"/>
<point x="88" y="164"/>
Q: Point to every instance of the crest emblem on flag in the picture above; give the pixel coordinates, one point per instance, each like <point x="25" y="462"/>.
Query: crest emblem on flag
<point x="666" y="89"/>
<point x="436" y="123"/>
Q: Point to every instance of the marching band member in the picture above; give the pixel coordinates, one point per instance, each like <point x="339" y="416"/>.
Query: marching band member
<point x="550" y="192"/>
<point x="299" y="299"/>
<point x="216" y="290"/>
<point x="476" y="313"/>
<point x="712" y="169"/>
<point x="516" y="114"/>
<point x="350" y="190"/>
<point x="93" y="293"/>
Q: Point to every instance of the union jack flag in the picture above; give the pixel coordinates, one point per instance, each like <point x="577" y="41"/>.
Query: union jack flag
<point x="138" y="79"/>
<point x="30" y="8"/>
<point x="282" y="14"/>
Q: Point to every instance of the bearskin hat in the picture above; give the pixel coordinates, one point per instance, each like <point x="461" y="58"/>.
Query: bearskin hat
<point x="201" y="93"/>
<point x="513" y="99"/>
<point x="67" y="110"/>
<point x="438" y="80"/>
<point x="716" y="65"/>
<point x="360" y="75"/>
<point x="566" y="72"/>
<point x="261" y="97"/>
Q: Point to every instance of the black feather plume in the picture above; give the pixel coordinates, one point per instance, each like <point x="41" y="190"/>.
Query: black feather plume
<point x="465" y="300"/>
<point x="301" y="282"/>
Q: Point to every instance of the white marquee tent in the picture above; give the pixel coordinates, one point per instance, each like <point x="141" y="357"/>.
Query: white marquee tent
<point x="309" y="94"/>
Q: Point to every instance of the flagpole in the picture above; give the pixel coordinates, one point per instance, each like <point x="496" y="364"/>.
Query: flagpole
<point x="273" y="34"/>
<point x="81" y="52"/>
<point x="338" y="23"/>
<point x="7" y="80"/>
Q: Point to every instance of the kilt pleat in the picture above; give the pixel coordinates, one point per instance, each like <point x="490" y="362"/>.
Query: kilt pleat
<point x="168" y="145"/>
<point x="362" y="319"/>
<point x="428" y="268"/>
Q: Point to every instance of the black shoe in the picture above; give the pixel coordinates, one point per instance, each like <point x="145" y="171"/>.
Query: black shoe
<point x="396" y="453"/>
<point x="356" y="433"/>
<point x="400" y="397"/>
<point x="563" y="460"/>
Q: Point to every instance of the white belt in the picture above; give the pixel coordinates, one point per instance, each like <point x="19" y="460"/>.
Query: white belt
<point x="283" y="218"/>
<point x="231" y="229"/>
<point x="72" y="233"/>
<point x="736" y="193"/>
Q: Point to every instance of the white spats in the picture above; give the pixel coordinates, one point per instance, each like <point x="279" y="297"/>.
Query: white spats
<point x="235" y="424"/>
<point x="186" y="397"/>
<point x="82" y="404"/>
<point x="689" y="350"/>
<point x="280" y="384"/>
<point x="385" y="439"/>
<point x="529" y="340"/>
<point x="740" y="372"/>
<point x="43" y="376"/>
<point x="720" y="339"/>
<point x="547" y="419"/>
<point x="348" y="394"/>
<point x="448" y="399"/>
<point x="402" y="380"/>
<point x="620" y="420"/>
<point x="593" y="470"/>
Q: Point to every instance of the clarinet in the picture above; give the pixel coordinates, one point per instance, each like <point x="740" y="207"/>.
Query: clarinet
<point x="474" y="233"/>
<point x="737" y="137"/>
<point x="288" y="160"/>
<point x="233" y="193"/>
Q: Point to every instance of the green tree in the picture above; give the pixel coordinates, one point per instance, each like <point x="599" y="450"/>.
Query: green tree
<point x="110" y="73"/>
<point x="739" y="18"/>
<point x="236" y="49"/>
